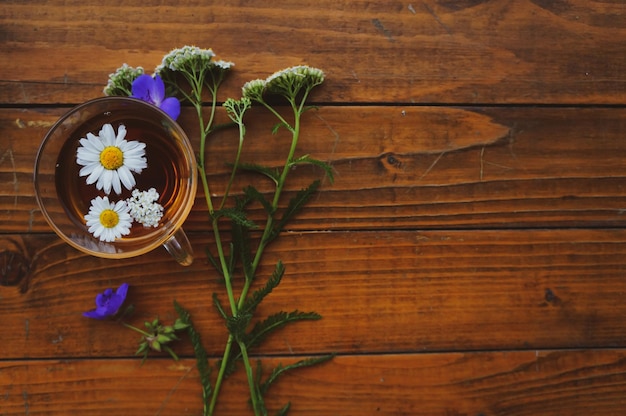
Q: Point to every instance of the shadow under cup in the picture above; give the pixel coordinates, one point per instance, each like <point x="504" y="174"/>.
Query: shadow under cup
<point x="65" y="198"/>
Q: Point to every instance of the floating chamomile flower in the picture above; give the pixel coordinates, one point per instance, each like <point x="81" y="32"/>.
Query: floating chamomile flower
<point x="144" y="208"/>
<point x="109" y="161"/>
<point x="108" y="220"/>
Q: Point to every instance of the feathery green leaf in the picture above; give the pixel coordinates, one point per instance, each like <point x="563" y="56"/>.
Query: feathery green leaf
<point x="255" y="299"/>
<point x="236" y="215"/>
<point x="280" y="369"/>
<point x="252" y="194"/>
<point x="202" y="362"/>
<point x="306" y="159"/>
<point x="273" y="174"/>
<point x="295" y="205"/>
<point x="263" y="328"/>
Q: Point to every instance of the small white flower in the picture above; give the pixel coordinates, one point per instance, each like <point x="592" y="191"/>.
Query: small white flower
<point x="253" y="89"/>
<point x="224" y="65"/>
<point x="185" y="59"/>
<point x="121" y="80"/>
<point x="108" y="220"/>
<point x="109" y="161"/>
<point x="291" y="80"/>
<point x="144" y="208"/>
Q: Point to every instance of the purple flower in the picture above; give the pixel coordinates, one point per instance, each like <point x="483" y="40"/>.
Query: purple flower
<point x="152" y="90"/>
<point x="108" y="303"/>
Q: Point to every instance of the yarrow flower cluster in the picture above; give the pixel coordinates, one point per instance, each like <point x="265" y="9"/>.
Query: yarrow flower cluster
<point x="120" y="82"/>
<point x="187" y="58"/>
<point x="288" y="82"/>
<point x="109" y="161"/>
<point x="144" y="208"/>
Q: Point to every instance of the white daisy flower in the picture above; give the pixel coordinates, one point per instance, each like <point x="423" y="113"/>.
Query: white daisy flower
<point x="144" y="208"/>
<point x="109" y="161"/>
<point x="108" y="220"/>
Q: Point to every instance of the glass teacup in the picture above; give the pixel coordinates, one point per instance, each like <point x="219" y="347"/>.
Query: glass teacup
<point x="67" y="189"/>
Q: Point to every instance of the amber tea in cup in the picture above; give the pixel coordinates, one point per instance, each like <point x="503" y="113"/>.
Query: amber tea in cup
<point x="65" y="197"/>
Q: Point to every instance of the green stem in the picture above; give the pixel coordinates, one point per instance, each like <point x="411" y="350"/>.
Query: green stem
<point x="250" y="376"/>
<point x="234" y="171"/>
<point x="204" y="131"/>
<point x="220" y="375"/>
<point x="277" y="194"/>
<point x="134" y="328"/>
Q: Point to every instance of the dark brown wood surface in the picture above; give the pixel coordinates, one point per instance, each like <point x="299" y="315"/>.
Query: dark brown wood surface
<point x="470" y="258"/>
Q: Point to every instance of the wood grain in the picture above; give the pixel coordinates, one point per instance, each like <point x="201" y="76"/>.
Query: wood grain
<point x="422" y="52"/>
<point x="468" y="259"/>
<point x="407" y="167"/>
<point x="377" y="291"/>
<point x="513" y="383"/>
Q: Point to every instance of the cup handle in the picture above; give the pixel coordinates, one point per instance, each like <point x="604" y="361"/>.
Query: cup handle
<point x="179" y="247"/>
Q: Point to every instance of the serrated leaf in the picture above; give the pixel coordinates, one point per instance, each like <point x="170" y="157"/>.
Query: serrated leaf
<point x="306" y="159"/>
<point x="280" y="369"/>
<point x="240" y="246"/>
<point x="252" y="194"/>
<point x="219" y="307"/>
<point x="295" y="205"/>
<point x="214" y="262"/>
<point x="236" y="215"/>
<point x="202" y="362"/>
<point x="273" y="322"/>
<point x="273" y="174"/>
<point x="237" y="325"/>
<point x="253" y="300"/>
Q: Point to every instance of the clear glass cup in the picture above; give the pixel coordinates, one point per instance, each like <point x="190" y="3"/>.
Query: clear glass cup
<point x="65" y="198"/>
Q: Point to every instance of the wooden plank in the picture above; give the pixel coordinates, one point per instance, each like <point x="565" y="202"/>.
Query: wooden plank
<point x="431" y="51"/>
<point x="514" y="383"/>
<point x="377" y="291"/>
<point x="400" y="167"/>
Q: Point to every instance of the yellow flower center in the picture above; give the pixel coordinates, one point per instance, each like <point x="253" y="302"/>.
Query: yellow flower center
<point x="112" y="158"/>
<point x="109" y="218"/>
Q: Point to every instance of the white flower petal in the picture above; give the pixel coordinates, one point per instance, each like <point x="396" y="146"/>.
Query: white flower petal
<point x="115" y="181"/>
<point x="121" y="133"/>
<point x="107" y="135"/>
<point x="95" y="173"/>
<point x="126" y="177"/>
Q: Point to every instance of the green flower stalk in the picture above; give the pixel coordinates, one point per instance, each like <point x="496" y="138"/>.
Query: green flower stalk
<point x="201" y="73"/>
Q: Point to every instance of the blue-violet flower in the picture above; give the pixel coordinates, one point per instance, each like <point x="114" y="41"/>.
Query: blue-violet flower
<point x="108" y="303"/>
<point x="152" y="90"/>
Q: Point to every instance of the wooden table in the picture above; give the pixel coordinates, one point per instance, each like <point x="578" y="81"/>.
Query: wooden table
<point x="470" y="258"/>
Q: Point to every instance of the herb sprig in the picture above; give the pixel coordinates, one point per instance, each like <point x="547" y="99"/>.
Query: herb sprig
<point x="190" y="73"/>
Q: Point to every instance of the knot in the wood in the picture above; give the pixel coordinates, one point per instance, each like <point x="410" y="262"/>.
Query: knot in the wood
<point x="390" y="161"/>
<point x="13" y="268"/>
